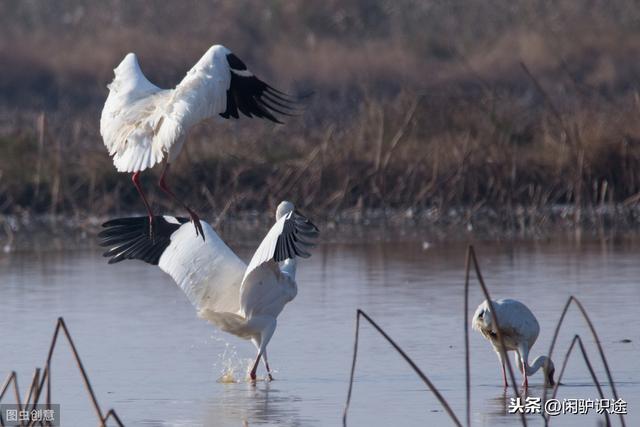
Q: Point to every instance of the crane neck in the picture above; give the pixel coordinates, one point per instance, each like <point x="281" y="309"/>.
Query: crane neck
<point x="547" y="367"/>
<point x="288" y="266"/>
<point x="536" y="365"/>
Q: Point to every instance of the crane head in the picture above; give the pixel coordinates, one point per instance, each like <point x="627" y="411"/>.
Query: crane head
<point x="284" y="208"/>
<point x="549" y="372"/>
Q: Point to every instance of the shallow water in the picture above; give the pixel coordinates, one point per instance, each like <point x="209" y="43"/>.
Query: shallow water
<point x="157" y="364"/>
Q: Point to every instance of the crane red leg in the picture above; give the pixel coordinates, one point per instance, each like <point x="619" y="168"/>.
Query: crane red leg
<point x="136" y="181"/>
<point x="266" y="365"/>
<point x="165" y="187"/>
<point x="252" y="373"/>
<point x="269" y="372"/>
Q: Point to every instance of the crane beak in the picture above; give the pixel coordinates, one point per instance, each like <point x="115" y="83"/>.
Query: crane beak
<point x="550" y="377"/>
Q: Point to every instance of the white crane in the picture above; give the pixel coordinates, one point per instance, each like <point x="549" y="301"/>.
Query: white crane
<point x="519" y="329"/>
<point x="242" y="300"/>
<point x="142" y="124"/>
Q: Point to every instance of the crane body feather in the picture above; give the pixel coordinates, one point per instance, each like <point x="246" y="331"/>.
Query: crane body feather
<point x="517" y="323"/>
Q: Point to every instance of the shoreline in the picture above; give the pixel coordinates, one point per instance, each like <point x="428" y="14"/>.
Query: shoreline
<point x="604" y="222"/>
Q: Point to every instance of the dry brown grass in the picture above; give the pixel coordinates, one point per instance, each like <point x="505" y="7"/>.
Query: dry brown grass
<point x="417" y="104"/>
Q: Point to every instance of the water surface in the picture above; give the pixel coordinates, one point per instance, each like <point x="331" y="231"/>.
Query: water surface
<point x="157" y="364"/>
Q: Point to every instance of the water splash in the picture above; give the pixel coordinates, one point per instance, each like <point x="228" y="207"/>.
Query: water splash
<point x="231" y="367"/>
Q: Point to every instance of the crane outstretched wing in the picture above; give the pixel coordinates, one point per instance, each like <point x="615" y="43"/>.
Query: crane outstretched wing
<point x="208" y="272"/>
<point x="253" y="97"/>
<point x="130" y="116"/>
<point x="141" y="122"/>
<point x="289" y="237"/>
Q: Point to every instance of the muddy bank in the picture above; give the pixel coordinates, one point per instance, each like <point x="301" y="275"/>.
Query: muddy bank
<point x="46" y="232"/>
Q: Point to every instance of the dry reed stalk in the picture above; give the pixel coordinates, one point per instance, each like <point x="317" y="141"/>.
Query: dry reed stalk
<point x="397" y="138"/>
<point x="379" y="137"/>
<point x="33" y="388"/>
<point x="411" y="363"/>
<point x="56" y="179"/>
<point x="587" y="361"/>
<point x="572" y="135"/>
<point x="41" y="125"/>
<point x="11" y="378"/>
<point x="85" y="378"/>
<point x="38" y="384"/>
<point x="286" y="187"/>
<point x="554" y="110"/>
<point x="111" y="414"/>
<point x="592" y="329"/>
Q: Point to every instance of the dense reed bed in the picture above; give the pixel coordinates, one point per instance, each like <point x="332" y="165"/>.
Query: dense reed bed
<point x="417" y="106"/>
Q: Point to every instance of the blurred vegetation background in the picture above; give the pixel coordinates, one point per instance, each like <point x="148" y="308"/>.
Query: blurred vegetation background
<point x="418" y="106"/>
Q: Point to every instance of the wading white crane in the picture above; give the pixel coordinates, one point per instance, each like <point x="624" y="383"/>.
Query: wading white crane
<point x="519" y="329"/>
<point x="242" y="300"/>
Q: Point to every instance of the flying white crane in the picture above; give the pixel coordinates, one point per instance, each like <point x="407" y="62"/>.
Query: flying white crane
<point x="142" y="124"/>
<point x="519" y="329"/>
<point x="242" y="300"/>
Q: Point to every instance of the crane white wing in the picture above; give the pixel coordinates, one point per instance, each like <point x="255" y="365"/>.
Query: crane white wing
<point x="130" y="117"/>
<point x="266" y="291"/>
<point x="208" y="271"/>
<point x="201" y="94"/>
<point x="263" y="281"/>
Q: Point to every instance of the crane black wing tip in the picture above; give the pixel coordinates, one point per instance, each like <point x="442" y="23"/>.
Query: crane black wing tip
<point x="130" y="238"/>
<point x="292" y="104"/>
<point x="235" y="63"/>
<point x="253" y="97"/>
<point x="128" y="221"/>
<point x="297" y="99"/>
<point x="305" y="225"/>
<point x="299" y="235"/>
